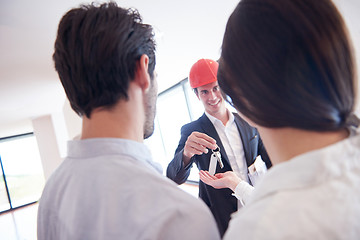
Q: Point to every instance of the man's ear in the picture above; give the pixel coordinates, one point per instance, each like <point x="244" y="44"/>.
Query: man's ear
<point x="197" y="95"/>
<point x="142" y="77"/>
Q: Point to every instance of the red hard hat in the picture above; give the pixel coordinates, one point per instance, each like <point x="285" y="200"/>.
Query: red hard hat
<point x="203" y="72"/>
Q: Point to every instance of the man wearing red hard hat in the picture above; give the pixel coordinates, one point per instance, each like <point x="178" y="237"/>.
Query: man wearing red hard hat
<point x="217" y="128"/>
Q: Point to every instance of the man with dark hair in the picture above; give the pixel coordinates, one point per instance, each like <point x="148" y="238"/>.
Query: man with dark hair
<point x="108" y="187"/>
<point x="239" y="143"/>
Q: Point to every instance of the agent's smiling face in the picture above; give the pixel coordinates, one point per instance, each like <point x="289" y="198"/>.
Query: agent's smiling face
<point x="211" y="98"/>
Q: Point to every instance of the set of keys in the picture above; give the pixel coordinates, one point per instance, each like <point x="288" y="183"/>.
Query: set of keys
<point x="217" y="154"/>
<point x="215" y="158"/>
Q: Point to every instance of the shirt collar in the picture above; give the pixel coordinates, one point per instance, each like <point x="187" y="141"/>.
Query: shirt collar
<point x="94" y="147"/>
<point x="311" y="168"/>
<point x="215" y="121"/>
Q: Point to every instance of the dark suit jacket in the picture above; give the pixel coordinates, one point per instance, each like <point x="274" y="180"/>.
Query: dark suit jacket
<point x="220" y="201"/>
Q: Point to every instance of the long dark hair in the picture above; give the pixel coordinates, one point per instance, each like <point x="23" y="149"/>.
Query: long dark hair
<point x="289" y="64"/>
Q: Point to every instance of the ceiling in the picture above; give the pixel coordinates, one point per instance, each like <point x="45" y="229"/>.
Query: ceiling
<point x="185" y="31"/>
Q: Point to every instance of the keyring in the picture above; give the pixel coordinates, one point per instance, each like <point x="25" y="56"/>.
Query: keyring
<point x="216" y="153"/>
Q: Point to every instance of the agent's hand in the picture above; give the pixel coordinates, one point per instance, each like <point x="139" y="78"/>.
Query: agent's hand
<point x="220" y="180"/>
<point x="198" y="143"/>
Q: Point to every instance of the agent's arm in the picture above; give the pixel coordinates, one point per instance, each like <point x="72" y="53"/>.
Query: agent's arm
<point x="196" y="144"/>
<point x="191" y="144"/>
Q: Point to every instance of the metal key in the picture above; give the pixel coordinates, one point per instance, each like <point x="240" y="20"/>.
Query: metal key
<point x="217" y="154"/>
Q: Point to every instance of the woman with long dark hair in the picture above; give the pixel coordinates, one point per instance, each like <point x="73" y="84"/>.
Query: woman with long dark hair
<point x="287" y="66"/>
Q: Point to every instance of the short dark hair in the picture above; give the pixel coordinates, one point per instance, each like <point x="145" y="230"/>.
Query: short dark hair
<point x="289" y="64"/>
<point x="96" y="54"/>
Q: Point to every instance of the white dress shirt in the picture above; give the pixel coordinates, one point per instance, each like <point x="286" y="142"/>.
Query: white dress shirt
<point x="110" y="188"/>
<point x="315" y="195"/>
<point x="230" y="139"/>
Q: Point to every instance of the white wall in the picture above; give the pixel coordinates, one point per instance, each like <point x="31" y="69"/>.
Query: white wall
<point x="350" y="10"/>
<point x="52" y="133"/>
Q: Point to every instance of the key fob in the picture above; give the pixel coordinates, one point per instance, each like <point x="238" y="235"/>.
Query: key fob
<point x="218" y="156"/>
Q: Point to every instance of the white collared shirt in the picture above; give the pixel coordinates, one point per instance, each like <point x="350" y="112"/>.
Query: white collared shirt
<point x="315" y="195"/>
<point x="109" y="188"/>
<point x="230" y="138"/>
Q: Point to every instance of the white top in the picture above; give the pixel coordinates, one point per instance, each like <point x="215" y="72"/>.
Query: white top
<point x="243" y="192"/>
<point x="109" y="189"/>
<point x="313" y="196"/>
<point x="230" y="139"/>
